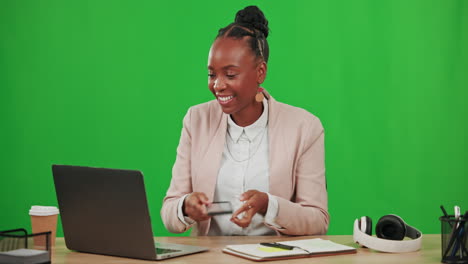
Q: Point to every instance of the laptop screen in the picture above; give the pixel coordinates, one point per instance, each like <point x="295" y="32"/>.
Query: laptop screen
<point x="104" y="211"/>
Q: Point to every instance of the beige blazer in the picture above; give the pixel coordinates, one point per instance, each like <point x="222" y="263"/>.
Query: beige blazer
<point x="296" y="159"/>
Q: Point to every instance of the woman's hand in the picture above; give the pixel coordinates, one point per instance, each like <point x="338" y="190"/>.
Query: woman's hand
<point x="254" y="202"/>
<point x="195" y="206"/>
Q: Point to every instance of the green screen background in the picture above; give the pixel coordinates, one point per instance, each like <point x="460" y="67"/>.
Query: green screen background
<point x="107" y="83"/>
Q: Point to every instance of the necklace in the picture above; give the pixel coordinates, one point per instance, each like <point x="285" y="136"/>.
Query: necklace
<point x="250" y="154"/>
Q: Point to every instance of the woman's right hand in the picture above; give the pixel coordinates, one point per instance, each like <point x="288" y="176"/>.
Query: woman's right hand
<point x="195" y="206"/>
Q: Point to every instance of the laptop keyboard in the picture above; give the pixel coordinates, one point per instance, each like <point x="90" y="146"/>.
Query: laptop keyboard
<point x="165" y="250"/>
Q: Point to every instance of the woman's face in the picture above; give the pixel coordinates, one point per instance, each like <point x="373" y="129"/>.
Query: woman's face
<point x="234" y="74"/>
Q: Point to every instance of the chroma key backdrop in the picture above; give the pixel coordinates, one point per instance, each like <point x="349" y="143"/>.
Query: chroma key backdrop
<point x="107" y="83"/>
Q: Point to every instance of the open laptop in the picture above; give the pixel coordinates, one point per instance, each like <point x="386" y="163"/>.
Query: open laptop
<point x="104" y="211"/>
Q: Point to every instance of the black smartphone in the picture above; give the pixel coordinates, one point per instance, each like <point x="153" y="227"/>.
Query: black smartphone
<point x="218" y="208"/>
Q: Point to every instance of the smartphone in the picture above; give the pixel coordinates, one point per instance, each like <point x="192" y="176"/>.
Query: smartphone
<point x="218" y="208"/>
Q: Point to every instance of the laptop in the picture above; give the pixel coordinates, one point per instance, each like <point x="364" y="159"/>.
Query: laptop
<point x="104" y="211"/>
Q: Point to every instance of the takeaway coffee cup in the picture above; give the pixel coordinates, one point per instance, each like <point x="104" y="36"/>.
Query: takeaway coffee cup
<point x="44" y="219"/>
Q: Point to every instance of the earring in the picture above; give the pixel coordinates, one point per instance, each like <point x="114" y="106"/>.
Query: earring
<point x="259" y="96"/>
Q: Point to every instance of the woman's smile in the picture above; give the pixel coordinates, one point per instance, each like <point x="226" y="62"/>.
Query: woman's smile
<point x="225" y="99"/>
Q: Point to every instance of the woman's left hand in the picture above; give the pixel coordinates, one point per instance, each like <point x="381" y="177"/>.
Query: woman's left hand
<point x="254" y="202"/>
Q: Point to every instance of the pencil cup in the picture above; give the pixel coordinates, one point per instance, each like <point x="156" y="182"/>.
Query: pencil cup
<point x="44" y="219"/>
<point x="454" y="236"/>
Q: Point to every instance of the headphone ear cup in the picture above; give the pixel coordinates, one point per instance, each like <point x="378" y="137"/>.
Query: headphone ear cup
<point x="365" y="225"/>
<point x="391" y="227"/>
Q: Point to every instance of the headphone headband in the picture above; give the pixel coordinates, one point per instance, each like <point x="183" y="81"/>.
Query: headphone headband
<point x="385" y="245"/>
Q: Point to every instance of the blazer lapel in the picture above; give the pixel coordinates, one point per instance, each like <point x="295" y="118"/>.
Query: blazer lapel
<point x="276" y="150"/>
<point x="211" y="162"/>
<point x="209" y="167"/>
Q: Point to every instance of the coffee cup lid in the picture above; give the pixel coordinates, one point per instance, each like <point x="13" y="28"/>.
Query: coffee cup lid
<point x="43" y="210"/>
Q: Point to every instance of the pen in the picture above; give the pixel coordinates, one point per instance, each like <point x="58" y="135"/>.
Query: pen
<point x="453" y="236"/>
<point x="461" y="234"/>
<point x="443" y="211"/>
<point x="463" y="238"/>
<point x="457" y="241"/>
<point x="277" y="245"/>
<point x="446" y="215"/>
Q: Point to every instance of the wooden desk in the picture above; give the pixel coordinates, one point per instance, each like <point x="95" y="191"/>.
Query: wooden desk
<point x="430" y="252"/>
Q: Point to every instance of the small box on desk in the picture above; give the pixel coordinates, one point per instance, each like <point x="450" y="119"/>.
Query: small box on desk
<point x="17" y="246"/>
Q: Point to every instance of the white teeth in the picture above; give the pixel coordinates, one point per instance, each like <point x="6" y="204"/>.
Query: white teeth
<point x="224" y="99"/>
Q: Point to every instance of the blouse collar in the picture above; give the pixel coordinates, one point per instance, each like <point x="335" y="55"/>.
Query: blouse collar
<point x="251" y="131"/>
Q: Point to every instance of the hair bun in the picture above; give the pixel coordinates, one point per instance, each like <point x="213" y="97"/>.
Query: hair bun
<point x="252" y="16"/>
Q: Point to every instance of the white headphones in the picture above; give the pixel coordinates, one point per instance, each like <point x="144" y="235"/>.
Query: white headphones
<point x="390" y="231"/>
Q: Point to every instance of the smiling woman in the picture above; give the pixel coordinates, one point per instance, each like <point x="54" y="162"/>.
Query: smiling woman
<point x="234" y="76"/>
<point x="265" y="157"/>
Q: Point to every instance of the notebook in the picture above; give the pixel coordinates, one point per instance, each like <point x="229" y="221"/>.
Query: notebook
<point x="302" y="249"/>
<point x="104" y="211"/>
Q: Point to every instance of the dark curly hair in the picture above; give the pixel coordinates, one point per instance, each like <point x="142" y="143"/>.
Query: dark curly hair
<point x="251" y="22"/>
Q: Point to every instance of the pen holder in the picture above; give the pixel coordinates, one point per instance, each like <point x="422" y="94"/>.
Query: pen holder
<point x="17" y="246"/>
<point x="454" y="236"/>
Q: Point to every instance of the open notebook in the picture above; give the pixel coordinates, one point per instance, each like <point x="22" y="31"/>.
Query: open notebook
<point x="302" y="249"/>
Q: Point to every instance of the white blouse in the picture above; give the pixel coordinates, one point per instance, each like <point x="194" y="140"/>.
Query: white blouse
<point x="244" y="166"/>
